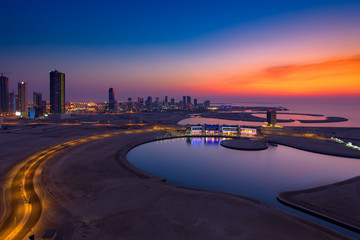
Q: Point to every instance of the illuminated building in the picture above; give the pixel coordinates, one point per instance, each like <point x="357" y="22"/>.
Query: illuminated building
<point x="212" y="129"/>
<point x="207" y="103"/>
<point x="248" y="131"/>
<point x="14" y="102"/>
<point x="271" y="117"/>
<point x="198" y="129"/>
<point x="57" y="92"/>
<point x="4" y="94"/>
<point x="22" y="95"/>
<point x="229" y="129"/>
<point x="111" y="99"/>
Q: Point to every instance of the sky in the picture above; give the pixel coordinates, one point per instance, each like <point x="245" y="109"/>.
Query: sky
<point x="218" y="50"/>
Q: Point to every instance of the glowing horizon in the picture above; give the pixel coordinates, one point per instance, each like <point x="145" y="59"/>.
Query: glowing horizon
<point x="237" y="49"/>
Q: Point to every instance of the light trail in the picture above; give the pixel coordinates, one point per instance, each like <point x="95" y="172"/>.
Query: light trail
<point x="26" y="207"/>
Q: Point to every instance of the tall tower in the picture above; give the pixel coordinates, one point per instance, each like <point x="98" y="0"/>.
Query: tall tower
<point x="188" y="101"/>
<point x="4" y="94"/>
<point x="22" y="95"/>
<point x="271" y="117"/>
<point x="57" y="92"/>
<point x="37" y="102"/>
<point x="111" y="99"/>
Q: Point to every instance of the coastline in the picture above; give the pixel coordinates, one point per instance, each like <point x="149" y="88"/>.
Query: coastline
<point x="336" y="203"/>
<point x="171" y="211"/>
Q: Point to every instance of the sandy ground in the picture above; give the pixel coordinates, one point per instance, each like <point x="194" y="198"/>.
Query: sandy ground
<point x="91" y="193"/>
<point x="103" y="200"/>
<point x="339" y="201"/>
<point x="314" y="145"/>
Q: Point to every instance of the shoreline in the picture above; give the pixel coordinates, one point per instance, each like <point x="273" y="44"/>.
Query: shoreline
<point x="315" y="207"/>
<point x="122" y="160"/>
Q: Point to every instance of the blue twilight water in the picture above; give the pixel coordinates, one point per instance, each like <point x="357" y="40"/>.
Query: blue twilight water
<point x="203" y="163"/>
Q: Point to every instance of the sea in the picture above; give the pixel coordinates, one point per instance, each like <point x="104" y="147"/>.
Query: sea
<point x="347" y="107"/>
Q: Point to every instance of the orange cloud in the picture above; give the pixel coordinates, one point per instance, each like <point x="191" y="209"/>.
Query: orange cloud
<point x="338" y="76"/>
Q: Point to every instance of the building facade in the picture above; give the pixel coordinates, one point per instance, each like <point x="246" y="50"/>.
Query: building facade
<point x="57" y="92"/>
<point x="271" y="117"/>
<point x="4" y="94"/>
<point x="14" y="101"/>
<point x="22" y="97"/>
<point x="111" y="99"/>
<point x="38" y="104"/>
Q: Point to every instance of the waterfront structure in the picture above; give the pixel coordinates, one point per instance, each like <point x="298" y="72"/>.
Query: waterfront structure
<point x="271" y="117"/>
<point x="4" y="94"/>
<point x="111" y="99"/>
<point x="22" y="95"/>
<point x="212" y="129"/>
<point x="57" y="92"/>
<point x="226" y="129"/>
<point x="223" y="130"/>
<point x="248" y="131"/>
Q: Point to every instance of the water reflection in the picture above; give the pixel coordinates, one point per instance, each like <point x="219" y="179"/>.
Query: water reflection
<point x="195" y="142"/>
<point x="203" y="163"/>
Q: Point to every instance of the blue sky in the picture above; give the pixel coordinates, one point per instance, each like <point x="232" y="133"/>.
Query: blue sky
<point x="129" y="44"/>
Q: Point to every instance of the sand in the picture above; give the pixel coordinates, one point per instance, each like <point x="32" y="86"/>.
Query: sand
<point x="338" y="203"/>
<point x="104" y="200"/>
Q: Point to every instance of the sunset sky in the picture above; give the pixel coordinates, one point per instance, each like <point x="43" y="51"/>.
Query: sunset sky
<point x="209" y="49"/>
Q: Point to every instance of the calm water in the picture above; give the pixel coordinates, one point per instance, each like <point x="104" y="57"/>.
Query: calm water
<point x="332" y="107"/>
<point x="203" y="163"/>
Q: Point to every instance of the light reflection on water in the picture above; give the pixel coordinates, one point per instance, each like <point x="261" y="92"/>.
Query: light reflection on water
<point x="203" y="163"/>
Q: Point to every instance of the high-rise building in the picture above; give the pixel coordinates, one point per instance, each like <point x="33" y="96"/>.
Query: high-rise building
<point x="172" y="101"/>
<point x="111" y="99"/>
<point x="188" y="101"/>
<point x="166" y="99"/>
<point x="207" y="103"/>
<point x="22" y="95"/>
<point x="4" y="94"/>
<point x="271" y="117"/>
<point x="38" y="104"/>
<point x="37" y="99"/>
<point x="14" y="101"/>
<point x="57" y="92"/>
<point x="195" y="102"/>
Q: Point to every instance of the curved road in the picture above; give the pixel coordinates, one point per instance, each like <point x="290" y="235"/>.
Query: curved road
<point x="25" y="205"/>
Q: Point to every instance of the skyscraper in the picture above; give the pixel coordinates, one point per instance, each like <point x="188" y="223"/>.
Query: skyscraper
<point x="22" y="95"/>
<point x="195" y="102"/>
<point x="57" y="92"/>
<point x="207" y="103"/>
<point x="111" y="99"/>
<point x="166" y="99"/>
<point x="4" y="94"/>
<point x="271" y="117"/>
<point x="38" y="105"/>
<point x="188" y="101"/>
<point x="14" y="101"/>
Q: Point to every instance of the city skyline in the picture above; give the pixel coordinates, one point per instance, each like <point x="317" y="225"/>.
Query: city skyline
<point x="233" y="50"/>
